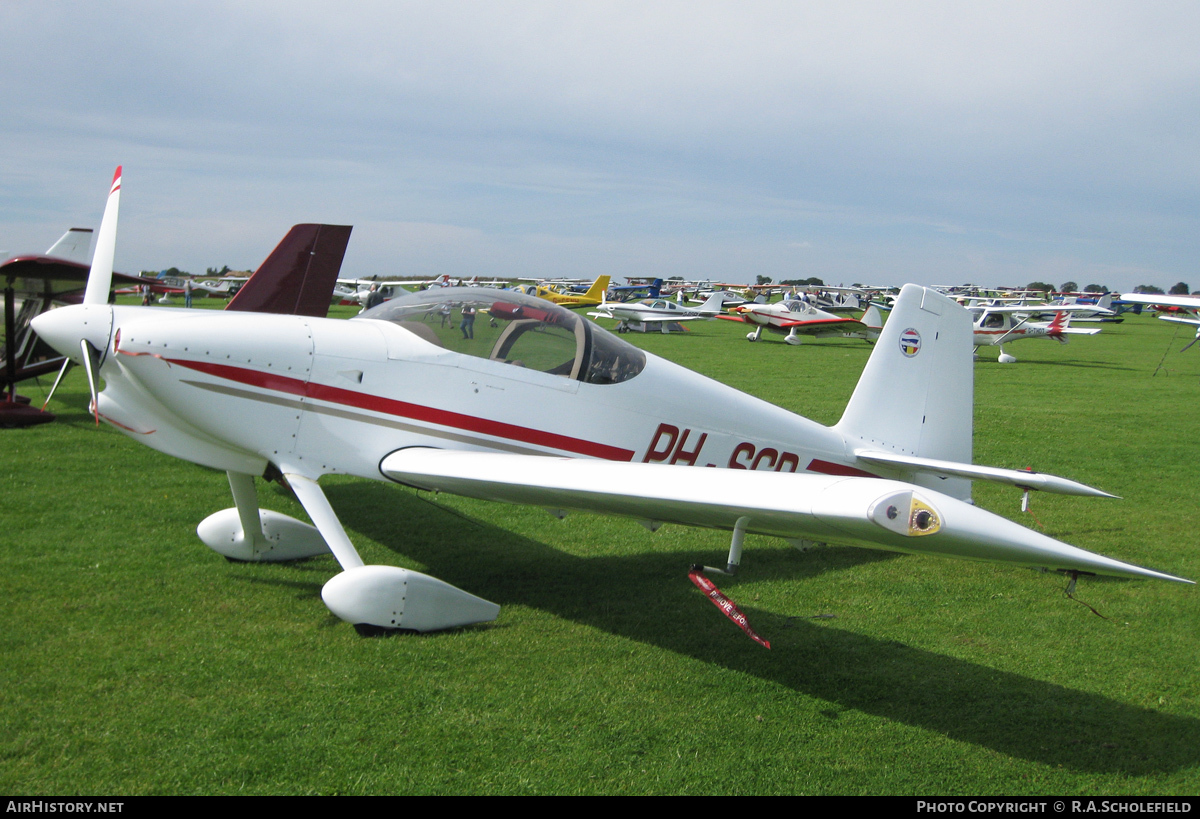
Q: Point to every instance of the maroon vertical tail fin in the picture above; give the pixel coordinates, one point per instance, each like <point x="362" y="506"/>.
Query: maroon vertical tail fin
<point x="299" y="275"/>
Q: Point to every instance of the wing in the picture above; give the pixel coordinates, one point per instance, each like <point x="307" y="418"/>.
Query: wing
<point x="867" y="512"/>
<point x="1191" y="302"/>
<point x="1040" y="309"/>
<point x="820" y="325"/>
<point x="661" y="317"/>
<point x="52" y="278"/>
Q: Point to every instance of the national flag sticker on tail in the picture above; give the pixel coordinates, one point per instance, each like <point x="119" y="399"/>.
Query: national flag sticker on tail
<point x="910" y="342"/>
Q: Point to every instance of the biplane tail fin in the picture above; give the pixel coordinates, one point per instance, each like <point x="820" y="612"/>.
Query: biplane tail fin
<point x="299" y="276"/>
<point x="74" y="246"/>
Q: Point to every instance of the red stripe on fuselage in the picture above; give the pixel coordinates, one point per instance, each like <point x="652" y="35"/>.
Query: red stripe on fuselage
<point x="403" y="409"/>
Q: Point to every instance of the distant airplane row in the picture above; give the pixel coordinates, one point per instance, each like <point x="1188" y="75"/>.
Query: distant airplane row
<point x="36" y="283"/>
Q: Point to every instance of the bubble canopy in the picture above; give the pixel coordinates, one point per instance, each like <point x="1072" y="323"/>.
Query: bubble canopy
<point x="516" y="329"/>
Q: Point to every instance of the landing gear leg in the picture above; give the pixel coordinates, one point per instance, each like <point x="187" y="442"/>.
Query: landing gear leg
<point x="735" y="549"/>
<point x="246" y="533"/>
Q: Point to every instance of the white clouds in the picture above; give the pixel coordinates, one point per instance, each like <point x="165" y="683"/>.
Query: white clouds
<point x="627" y="129"/>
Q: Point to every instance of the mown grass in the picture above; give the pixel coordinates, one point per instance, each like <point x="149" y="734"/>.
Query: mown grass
<point x="137" y="661"/>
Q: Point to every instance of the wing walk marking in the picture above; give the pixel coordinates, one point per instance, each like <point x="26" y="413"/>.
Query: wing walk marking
<point x="403" y="409"/>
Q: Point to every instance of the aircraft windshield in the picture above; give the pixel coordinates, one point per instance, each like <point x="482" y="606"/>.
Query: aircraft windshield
<point x="507" y="326"/>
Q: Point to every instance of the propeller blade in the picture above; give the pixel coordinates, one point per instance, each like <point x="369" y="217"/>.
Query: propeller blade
<point x="66" y="366"/>
<point x="91" y="358"/>
<point x="100" y="277"/>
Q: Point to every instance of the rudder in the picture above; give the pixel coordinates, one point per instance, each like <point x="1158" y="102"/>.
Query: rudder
<point x="916" y="394"/>
<point x="299" y="275"/>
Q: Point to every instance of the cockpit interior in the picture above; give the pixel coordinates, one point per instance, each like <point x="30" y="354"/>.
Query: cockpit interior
<point x="513" y="328"/>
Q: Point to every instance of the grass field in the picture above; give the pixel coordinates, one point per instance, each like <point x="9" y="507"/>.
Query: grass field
<point x="136" y="661"/>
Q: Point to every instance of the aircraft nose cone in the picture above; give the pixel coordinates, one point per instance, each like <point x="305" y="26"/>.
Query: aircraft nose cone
<point x="63" y="328"/>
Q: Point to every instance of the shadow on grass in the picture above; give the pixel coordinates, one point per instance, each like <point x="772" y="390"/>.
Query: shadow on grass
<point x="1073" y="363"/>
<point x="1006" y="712"/>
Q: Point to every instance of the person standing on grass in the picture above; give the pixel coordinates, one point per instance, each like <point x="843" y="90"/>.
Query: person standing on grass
<point x="468" y="321"/>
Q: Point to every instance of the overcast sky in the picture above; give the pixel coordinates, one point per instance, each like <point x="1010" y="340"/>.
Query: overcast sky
<point x="874" y="142"/>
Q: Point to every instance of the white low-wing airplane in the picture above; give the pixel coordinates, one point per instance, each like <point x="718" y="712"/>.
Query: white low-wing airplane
<point x="799" y="318"/>
<point x="656" y="311"/>
<point x="498" y="416"/>
<point x="996" y="326"/>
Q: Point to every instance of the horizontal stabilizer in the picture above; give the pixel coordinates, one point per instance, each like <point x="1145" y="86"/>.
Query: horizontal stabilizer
<point x="868" y="512"/>
<point x="1017" y="477"/>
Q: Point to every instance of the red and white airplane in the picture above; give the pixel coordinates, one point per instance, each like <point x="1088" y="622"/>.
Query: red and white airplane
<point x="389" y="396"/>
<point x="998" y="325"/>
<point x="800" y="318"/>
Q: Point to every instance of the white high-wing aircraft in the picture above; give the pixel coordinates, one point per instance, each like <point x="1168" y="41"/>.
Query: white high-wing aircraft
<point x="996" y="326"/>
<point x="800" y="318"/>
<point x="656" y="311"/>
<point x="1100" y="310"/>
<point x="498" y="416"/>
<point x="1191" y="303"/>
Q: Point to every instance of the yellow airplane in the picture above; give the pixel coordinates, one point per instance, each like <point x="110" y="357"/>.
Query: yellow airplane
<point x="560" y="296"/>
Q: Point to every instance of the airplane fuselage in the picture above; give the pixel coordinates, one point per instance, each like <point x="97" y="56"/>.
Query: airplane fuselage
<point x="238" y="391"/>
<point x="992" y="335"/>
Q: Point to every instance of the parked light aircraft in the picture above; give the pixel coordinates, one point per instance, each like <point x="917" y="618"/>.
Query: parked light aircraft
<point x="996" y="326"/>
<point x="358" y="291"/>
<point x="647" y="289"/>
<point x="656" y="311"/>
<point x="387" y="396"/>
<point x="565" y="298"/>
<point x="1190" y="304"/>
<point x="31" y="285"/>
<point x="832" y="299"/>
<point x="1101" y="307"/>
<point x="728" y="298"/>
<point x="799" y="318"/>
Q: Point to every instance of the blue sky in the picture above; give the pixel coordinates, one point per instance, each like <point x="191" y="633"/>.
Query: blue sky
<point x="878" y="142"/>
